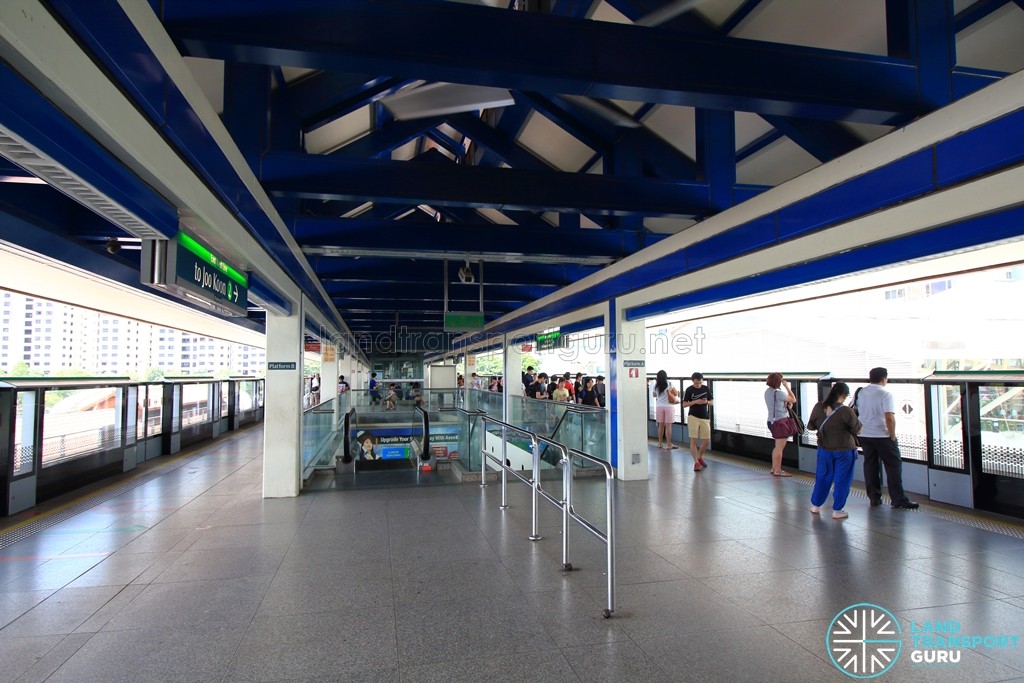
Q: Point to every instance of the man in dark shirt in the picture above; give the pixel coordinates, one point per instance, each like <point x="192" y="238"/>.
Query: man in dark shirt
<point x="599" y="390"/>
<point x="539" y="387"/>
<point x="528" y="377"/>
<point x="697" y="398"/>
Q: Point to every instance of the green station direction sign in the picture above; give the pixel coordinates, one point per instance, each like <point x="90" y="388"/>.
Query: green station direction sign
<point x="552" y="339"/>
<point x="205" y="273"/>
<point x="463" y="321"/>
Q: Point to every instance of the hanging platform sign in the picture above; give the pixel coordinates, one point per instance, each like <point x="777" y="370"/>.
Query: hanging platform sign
<point x="463" y="322"/>
<point x="192" y="271"/>
<point x="312" y="347"/>
<point x="552" y="339"/>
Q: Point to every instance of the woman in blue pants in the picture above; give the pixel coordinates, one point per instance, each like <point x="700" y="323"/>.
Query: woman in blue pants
<point x="837" y="427"/>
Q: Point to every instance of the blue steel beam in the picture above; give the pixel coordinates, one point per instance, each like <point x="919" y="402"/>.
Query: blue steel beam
<point x="824" y="140"/>
<point x="433" y="290"/>
<point x="335" y="269"/>
<point x="24" y="112"/>
<point x="320" y="177"/>
<point x="553" y="55"/>
<point x="325" y="96"/>
<point x="386" y="138"/>
<point x="26" y="222"/>
<point x="977" y="11"/>
<point x="492" y="139"/>
<point x="427" y="237"/>
<point x="104" y="28"/>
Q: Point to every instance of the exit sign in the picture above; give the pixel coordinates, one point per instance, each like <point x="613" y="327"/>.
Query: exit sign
<point x="463" y="321"/>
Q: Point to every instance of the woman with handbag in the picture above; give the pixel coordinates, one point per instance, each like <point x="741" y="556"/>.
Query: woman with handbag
<point x="837" y="426"/>
<point x="665" y="397"/>
<point x="778" y="397"/>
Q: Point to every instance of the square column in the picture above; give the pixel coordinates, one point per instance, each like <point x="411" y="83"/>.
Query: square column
<point x="282" y="418"/>
<point x="627" y="394"/>
<point x="512" y="376"/>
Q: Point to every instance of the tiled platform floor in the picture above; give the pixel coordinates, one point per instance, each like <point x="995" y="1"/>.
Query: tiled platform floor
<point x="722" y="576"/>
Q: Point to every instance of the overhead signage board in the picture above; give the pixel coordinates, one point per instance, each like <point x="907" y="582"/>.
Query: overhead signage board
<point x="191" y="271"/>
<point x="468" y="322"/>
<point x="312" y="347"/>
<point x="552" y="339"/>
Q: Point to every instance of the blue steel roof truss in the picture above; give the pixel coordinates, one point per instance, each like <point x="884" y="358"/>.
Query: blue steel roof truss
<point x="374" y="265"/>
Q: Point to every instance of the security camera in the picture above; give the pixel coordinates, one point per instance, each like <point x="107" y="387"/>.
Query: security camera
<point x="113" y="246"/>
<point x="466" y="275"/>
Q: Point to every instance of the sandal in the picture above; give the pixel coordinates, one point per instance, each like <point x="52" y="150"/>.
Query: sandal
<point x="671" y="447"/>
<point x="781" y="474"/>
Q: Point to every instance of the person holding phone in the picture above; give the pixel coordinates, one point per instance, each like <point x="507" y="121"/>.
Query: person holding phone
<point x="697" y="398"/>
<point x="665" y="397"/>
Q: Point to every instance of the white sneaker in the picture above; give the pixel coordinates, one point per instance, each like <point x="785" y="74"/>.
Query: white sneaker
<point x="815" y="509"/>
<point x="840" y="514"/>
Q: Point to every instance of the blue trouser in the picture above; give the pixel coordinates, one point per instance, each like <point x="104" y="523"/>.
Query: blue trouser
<point x="834" y="468"/>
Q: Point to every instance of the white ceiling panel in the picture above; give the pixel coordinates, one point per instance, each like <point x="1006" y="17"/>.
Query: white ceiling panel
<point x="667" y="226"/>
<point x="994" y="42"/>
<point x="853" y="26"/>
<point x="294" y="73"/>
<point x="866" y="131"/>
<point x="606" y="12"/>
<point x="329" y="137"/>
<point x="749" y="127"/>
<point x="209" y="73"/>
<point x="676" y="125"/>
<point x="552" y="144"/>
<point x="718" y="11"/>
<point x="775" y="164"/>
<point x="495" y="216"/>
<point x="405" y="152"/>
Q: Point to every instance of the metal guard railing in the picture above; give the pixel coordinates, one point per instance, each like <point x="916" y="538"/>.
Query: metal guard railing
<point x="565" y="504"/>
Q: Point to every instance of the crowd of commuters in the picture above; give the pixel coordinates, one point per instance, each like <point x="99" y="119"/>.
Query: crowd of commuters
<point x="868" y="423"/>
<point x="588" y="391"/>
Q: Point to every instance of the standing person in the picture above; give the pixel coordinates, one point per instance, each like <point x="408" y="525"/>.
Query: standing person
<point x="778" y="397"/>
<point x="374" y="389"/>
<point x="569" y="388"/>
<point x="578" y="386"/>
<point x="528" y="377"/>
<point x="697" y="398"/>
<point x="314" y="388"/>
<point x="665" y="397"/>
<point x="588" y="396"/>
<point x="837" y="427"/>
<point x="600" y="391"/>
<point x="475" y="382"/>
<point x="878" y="438"/>
<point x="560" y="394"/>
<point x="342" y="384"/>
<point x="539" y="387"/>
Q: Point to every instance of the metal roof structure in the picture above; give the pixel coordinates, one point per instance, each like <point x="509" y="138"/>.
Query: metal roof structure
<point x="396" y="159"/>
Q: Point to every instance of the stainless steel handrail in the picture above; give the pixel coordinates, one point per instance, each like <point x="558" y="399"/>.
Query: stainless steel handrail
<point x="565" y="504"/>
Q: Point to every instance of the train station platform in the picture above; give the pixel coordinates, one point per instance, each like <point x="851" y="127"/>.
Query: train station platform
<point x="183" y="572"/>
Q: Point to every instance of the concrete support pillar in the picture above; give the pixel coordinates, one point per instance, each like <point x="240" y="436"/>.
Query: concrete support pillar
<point x="282" y="423"/>
<point x="329" y="371"/>
<point x="512" y="376"/>
<point x="627" y="400"/>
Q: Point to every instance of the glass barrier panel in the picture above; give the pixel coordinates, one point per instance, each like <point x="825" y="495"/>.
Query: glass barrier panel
<point x="807" y="398"/>
<point x="225" y="392"/>
<point x="25" y="434"/>
<point x="947" y="426"/>
<point x="154" y="409"/>
<point x="195" y="404"/>
<point x="318" y="432"/>
<point x="131" y="397"/>
<point x="491" y="402"/>
<point x="740" y="407"/>
<point x="1002" y="441"/>
<point x="911" y="420"/>
<point x="79" y="422"/>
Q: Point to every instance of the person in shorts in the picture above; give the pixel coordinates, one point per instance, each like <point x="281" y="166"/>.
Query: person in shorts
<point x="697" y="398"/>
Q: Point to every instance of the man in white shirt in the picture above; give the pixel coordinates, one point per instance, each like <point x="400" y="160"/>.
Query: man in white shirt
<point x="877" y="412"/>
